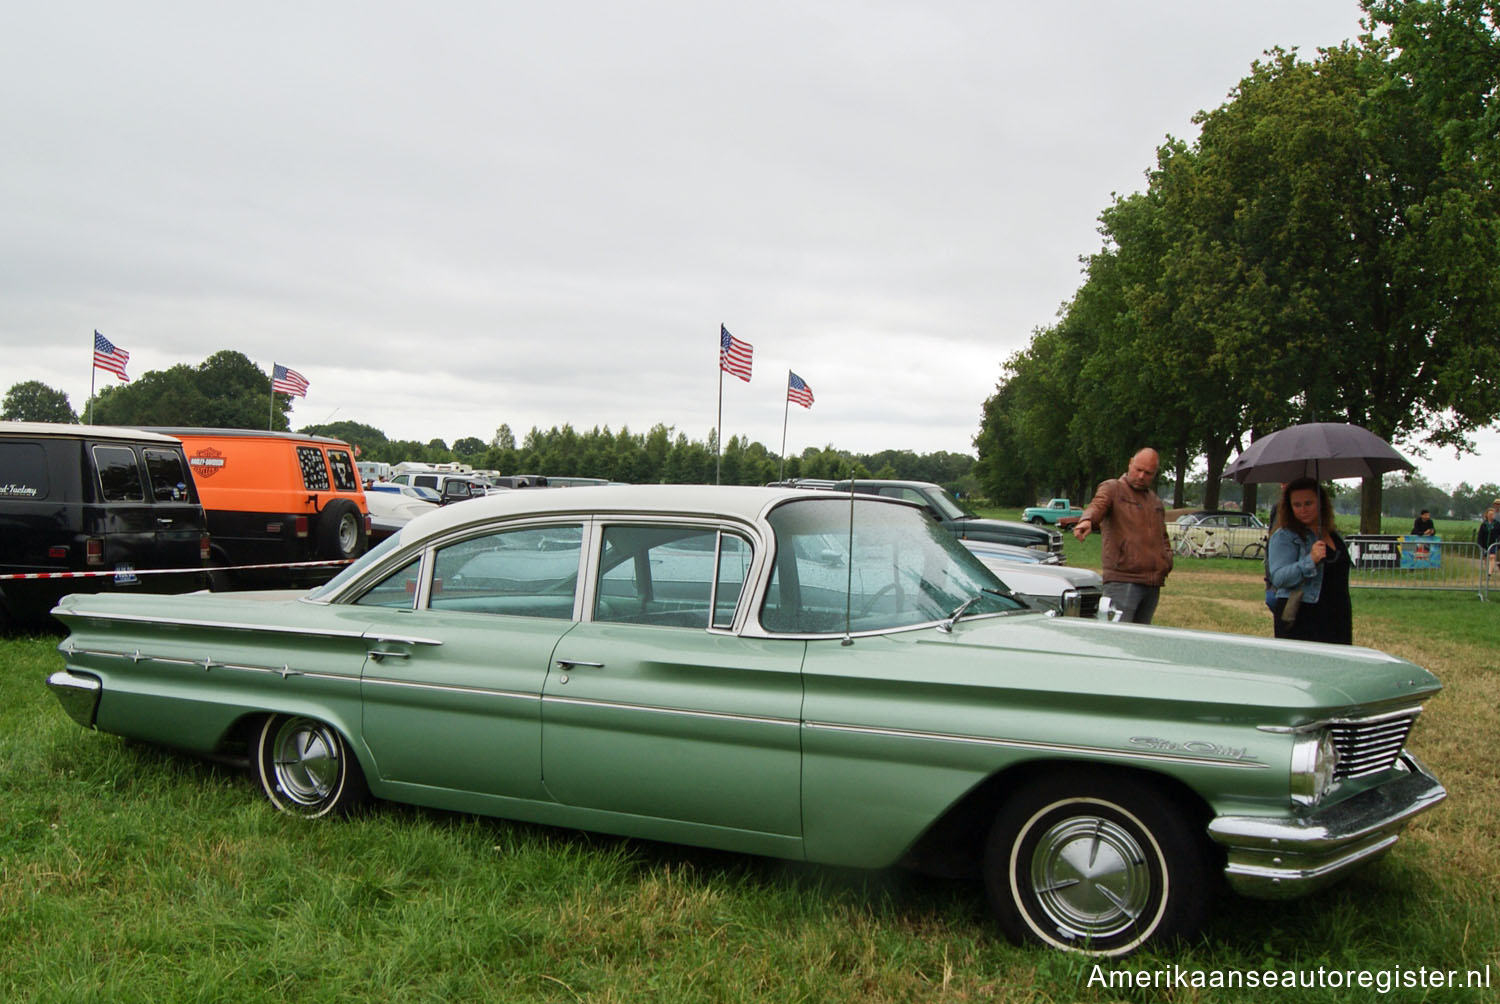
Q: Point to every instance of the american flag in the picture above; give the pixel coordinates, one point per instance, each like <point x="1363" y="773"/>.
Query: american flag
<point x="107" y="357"/>
<point x="287" y="381"/>
<point x="734" y="355"/>
<point x="797" y="390"/>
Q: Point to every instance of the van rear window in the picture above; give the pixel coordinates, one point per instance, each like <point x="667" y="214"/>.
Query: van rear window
<point x="23" y="471"/>
<point x="119" y="474"/>
<point x="314" y="470"/>
<point x="345" y="476"/>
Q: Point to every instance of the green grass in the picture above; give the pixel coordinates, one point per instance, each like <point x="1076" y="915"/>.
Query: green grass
<point x="128" y="873"/>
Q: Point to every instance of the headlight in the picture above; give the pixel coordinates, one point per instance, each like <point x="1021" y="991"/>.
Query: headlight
<point x="1072" y="603"/>
<point x="1314" y="758"/>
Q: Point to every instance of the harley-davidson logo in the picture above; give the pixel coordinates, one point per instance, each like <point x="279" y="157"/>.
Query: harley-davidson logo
<point x="206" y="462"/>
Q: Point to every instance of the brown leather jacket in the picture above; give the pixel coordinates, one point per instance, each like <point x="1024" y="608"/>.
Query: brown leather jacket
<point x="1134" y="525"/>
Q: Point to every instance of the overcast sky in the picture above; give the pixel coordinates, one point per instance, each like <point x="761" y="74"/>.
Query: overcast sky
<point x="456" y="215"/>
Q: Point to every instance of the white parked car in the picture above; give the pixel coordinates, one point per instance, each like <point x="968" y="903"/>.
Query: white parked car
<point x="1040" y="578"/>
<point x="392" y="506"/>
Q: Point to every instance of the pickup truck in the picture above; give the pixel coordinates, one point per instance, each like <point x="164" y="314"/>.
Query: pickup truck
<point x="955" y="518"/>
<point x="1059" y="511"/>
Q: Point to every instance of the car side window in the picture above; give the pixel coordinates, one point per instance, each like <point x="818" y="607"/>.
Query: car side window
<point x="119" y="474"/>
<point x="529" y="572"/>
<point x="397" y="591"/>
<point x="670" y="576"/>
<point x="314" y="468"/>
<point x="345" y="475"/>
<point x="169" y="482"/>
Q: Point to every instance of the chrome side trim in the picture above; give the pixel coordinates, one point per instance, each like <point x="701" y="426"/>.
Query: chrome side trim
<point x="1027" y="744"/>
<point x="258" y="628"/>
<point x="659" y="710"/>
<point x="448" y="688"/>
<point x="284" y="670"/>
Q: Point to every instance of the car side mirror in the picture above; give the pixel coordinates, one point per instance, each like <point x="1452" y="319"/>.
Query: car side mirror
<point x="1107" y="611"/>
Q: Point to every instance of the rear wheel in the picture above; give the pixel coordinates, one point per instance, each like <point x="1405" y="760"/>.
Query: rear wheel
<point x="306" y="768"/>
<point x="1100" y="864"/>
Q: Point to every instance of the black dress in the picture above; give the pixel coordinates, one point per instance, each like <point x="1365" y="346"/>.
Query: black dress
<point x="1331" y="619"/>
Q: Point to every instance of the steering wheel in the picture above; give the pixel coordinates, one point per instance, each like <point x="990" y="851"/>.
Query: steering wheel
<point x="875" y="597"/>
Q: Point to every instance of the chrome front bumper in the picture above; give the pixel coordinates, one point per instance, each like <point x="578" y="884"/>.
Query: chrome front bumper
<point x="1285" y="857"/>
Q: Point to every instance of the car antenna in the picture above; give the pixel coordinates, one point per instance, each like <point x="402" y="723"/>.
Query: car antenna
<point x="849" y="567"/>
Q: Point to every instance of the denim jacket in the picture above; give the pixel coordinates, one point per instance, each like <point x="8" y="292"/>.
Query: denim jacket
<point x="1290" y="565"/>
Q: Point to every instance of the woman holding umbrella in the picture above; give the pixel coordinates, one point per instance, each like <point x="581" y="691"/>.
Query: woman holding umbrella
<point x="1308" y="565"/>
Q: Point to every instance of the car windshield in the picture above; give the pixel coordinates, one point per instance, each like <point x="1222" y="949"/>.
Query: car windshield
<point x="946" y="505"/>
<point x="892" y="568"/>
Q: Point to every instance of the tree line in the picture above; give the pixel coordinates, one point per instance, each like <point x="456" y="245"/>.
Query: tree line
<point x="229" y="391"/>
<point x="1328" y="249"/>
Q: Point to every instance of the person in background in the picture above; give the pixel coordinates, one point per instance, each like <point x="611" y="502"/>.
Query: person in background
<point x="1422" y="525"/>
<point x="1137" y="552"/>
<point x="1489" y="539"/>
<point x="1308" y="564"/>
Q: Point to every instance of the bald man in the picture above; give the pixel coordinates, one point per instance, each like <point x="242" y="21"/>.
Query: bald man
<point x="1137" y="553"/>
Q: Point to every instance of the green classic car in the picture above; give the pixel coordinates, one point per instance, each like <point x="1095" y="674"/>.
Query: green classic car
<point x="783" y="672"/>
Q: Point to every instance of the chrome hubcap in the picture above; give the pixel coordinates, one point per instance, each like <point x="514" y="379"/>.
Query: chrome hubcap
<point x="305" y="757"/>
<point x="1090" y="877"/>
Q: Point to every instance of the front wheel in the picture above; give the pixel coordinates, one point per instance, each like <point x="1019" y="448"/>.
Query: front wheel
<point x="1097" y="864"/>
<point x="1037" y="520"/>
<point x="307" y="769"/>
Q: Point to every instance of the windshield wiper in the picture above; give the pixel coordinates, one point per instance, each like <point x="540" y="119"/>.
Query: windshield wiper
<point x="958" y="612"/>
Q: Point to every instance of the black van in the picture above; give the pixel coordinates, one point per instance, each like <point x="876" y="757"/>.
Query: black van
<point x="83" y="498"/>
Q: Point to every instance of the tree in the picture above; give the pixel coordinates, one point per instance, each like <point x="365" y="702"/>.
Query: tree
<point x="225" y="391"/>
<point x="34" y="401"/>
<point x="504" y="439"/>
<point x="469" y="447"/>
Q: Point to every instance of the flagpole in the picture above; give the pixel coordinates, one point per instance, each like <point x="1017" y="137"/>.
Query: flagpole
<point x="271" y="407"/>
<point x="93" y="371"/>
<point x="786" y="408"/>
<point x="719" y="431"/>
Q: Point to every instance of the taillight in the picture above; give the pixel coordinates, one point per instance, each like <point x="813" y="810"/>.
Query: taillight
<point x="367" y="524"/>
<point x="93" y="550"/>
<point x="302" y="526"/>
<point x="58" y="552"/>
<point x="203" y="551"/>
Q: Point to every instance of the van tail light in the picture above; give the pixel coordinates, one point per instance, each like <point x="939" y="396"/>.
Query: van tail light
<point x="203" y="551"/>
<point x="302" y="526"/>
<point x="93" y="549"/>
<point x="58" y="552"/>
<point x="367" y="524"/>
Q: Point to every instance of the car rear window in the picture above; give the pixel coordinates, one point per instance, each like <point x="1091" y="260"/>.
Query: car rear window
<point x="314" y="468"/>
<point x="119" y="474"/>
<point x="23" y="471"/>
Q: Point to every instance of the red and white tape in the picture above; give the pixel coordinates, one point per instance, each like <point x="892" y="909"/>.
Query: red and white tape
<point x="116" y="572"/>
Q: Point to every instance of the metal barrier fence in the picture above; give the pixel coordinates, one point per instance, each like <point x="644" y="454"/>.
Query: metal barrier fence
<point x="1389" y="562"/>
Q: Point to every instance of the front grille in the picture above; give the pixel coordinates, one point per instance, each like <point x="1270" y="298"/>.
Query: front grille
<point x="1088" y="601"/>
<point x="1370" y="745"/>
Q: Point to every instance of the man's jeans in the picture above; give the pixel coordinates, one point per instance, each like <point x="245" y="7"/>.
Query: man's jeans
<point x="1136" y="603"/>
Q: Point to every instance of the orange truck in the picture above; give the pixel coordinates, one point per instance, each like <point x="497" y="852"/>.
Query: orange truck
<point x="276" y="498"/>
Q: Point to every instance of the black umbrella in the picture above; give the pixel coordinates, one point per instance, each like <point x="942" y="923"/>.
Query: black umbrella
<point x="1326" y="451"/>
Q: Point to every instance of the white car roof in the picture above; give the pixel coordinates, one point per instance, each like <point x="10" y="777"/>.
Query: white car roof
<point x="744" y="503"/>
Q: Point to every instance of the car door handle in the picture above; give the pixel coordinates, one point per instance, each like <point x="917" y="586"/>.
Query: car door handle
<point x="377" y="655"/>
<point x="163" y="521"/>
<point x="566" y="663"/>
